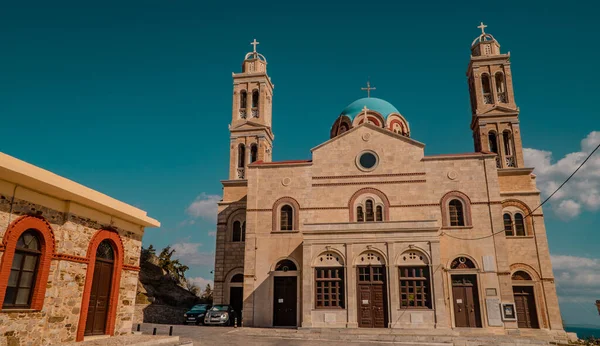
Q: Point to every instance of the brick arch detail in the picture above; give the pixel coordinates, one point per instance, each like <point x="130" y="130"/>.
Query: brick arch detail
<point x="366" y="190"/>
<point x="524" y="208"/>
<point x="9" y="242"/>
<point x="117" y="243"/>
<point x="538" y="290"/>
<point x="526" y="268"/>
<point x="277" y="206"/>
<point x="466" y="203"/>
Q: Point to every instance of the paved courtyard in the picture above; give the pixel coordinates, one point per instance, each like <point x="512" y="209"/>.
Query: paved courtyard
<point x="202" y="335"/>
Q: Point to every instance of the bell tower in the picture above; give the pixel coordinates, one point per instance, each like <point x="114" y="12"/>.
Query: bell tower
<point x="495" y="115"/>
<point x="251" y="138"/>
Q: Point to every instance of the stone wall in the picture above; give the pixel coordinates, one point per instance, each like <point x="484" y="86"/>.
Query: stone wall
<point x="155" y="313"/>
<point x="72" y="227"/>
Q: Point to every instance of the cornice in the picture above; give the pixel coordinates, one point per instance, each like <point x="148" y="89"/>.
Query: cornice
<point x="70" y="258"/>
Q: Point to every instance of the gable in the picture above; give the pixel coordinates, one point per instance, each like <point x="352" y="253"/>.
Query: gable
<point x="395" y="153"/>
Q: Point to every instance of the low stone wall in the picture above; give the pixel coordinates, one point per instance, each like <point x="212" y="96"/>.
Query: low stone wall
<point x="155" y="313"/>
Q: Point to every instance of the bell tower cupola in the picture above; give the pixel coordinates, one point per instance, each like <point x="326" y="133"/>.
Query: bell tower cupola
<point x="251" y="136"/>
<point x="495" y="115"/>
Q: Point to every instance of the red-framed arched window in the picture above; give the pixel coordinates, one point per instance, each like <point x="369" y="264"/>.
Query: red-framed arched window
<point x="28" y="249"/>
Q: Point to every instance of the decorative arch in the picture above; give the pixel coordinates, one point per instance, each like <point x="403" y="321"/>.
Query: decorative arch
<point x="329" y="258"/>
<point x="413" y="256"/>
<point x="516" y="267"/>
<point x="457" y="263"/>
<point x="397" y="118"/>
<point x="373" y="116"/>
<point x="525" y="210"/>
<point x="341" y="125"/>
<point x="239" y="215"/>
<point x="369" y="190"/>
<point x="371" y="255"/>
<point x="466" y="203"/>
<point x="233" y="272"/>
<point x="277" y="211"/>
<point x="43" y="229"/>
<point x="117" y="244"/>
<point x="280" y="259"/>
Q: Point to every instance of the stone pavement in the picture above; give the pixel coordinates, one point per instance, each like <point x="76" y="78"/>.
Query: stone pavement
<point x="129" y="340"/>
<point x="202" y="335"/>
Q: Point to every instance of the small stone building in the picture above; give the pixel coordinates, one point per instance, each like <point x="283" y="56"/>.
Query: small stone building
<point x="69" y="258"/>
<point x="372" y="232"/>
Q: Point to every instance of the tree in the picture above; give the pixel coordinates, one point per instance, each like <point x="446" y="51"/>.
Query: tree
<point x="207" y="295"/>
<point x="192" y="287"/>
<point x="147" y="253"/>
<point x="174" y="268"/>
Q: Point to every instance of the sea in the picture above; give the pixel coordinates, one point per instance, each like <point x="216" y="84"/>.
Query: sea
<point x="584" y="331"/>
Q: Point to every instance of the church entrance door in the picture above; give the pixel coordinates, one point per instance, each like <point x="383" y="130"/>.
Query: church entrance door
<point x="284" y="301"/>
<point x="466" y="301"/>
<point x="525" y="306"/>
<point x="99" y="297"/>
<point x="372" y="302"/>
<point x="236" y="299"/>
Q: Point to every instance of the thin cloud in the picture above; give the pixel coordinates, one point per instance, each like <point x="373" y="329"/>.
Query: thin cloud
<point x="582" y="192"/>
<point x="204" y="207"/>
<point x="190" y="254"/>
<point x="577" y="278"/>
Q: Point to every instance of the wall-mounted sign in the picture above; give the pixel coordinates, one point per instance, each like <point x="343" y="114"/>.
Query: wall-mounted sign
<point x="509" y="312"/>
<point x="459" y="301"/>
<point x="280" y="300"/>
<point x="365" y="302"/>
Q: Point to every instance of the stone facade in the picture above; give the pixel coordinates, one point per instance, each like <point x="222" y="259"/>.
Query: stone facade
<point x="156" y="313"/>
<point x="469" y="219"/>
<point x="69" y="231"/>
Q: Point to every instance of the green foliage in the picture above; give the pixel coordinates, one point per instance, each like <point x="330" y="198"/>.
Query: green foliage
<point x="207" y="295"/>
<point x="192" y="287"/>
<point x="174" y="268"/>
<point x="147" y="253"/>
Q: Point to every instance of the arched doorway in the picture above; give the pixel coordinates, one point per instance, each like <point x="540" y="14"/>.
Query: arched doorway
<point x="465" y="293"/>
<point x="236" y="294"/>
<point x="97" y="314"/>
<point x="523" y="291"/>
<point x="371" y="290"/>
<point x="285" y="294"/>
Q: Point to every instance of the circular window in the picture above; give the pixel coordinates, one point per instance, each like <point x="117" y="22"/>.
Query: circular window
<point x="367" y="160"/>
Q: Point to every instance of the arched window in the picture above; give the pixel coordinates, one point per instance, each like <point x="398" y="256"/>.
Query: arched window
<point x="507" y="145"/>
<point x="105" y="251"/>
<point x="287" y="218"/>
<point x="360" y="217"/>
<point x="253" y="152"/>
<point x="243" y="99"/>
<point x="501" y="88"/>
<point x="519" y="225"/>
<point x="462" y="263"/>
<point x="487" y="90"/>
<point x="237" y="278"/>
<point x="285" y="265"/>
<point x="493" y="143"/>
<point x="457" y="216"/>
<point x="23" y="272"/>
<point x="521" y="275"/>
<point x="508" y="225"/>
<point x="370" y="216"/>
<point x="255" y="99"/>
<point x="236" y="234"/>
<point x="241" y="156"/>
<point x="379" y="213"/>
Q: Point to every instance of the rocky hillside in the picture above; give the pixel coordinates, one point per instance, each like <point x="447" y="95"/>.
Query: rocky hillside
<point x="155" y="286"/>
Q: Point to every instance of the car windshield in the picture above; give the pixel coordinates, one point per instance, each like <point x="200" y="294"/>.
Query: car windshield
<point x="199" y="307"/>
<point x="219" y="308"/>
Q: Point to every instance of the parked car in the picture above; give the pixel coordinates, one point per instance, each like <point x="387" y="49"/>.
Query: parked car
<point x="221" y="314"/>
<point x="196" y="314"/>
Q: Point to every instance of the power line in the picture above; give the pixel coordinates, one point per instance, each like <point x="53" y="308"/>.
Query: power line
<point x="539" y="206"/>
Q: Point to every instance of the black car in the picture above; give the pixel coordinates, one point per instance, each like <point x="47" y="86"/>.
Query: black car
<point x="221" y="314"/>
<point x="196" y="314"/>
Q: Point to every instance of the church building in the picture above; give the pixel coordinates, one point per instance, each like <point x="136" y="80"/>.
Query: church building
<point x="372" y="232"/>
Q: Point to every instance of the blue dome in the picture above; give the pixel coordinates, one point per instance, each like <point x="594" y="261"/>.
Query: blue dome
<point x="378" y="105"/>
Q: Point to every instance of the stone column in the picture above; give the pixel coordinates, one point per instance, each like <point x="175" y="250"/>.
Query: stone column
<point x="307" y="286"/>
<point x="351" y="287"/>
<point x="439" y="301"/>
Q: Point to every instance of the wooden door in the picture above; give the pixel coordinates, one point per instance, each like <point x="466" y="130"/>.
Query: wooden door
<point x="372" y="298"/>
<point x="99" y="296"/>
<point x="525" y="306"/>
<point x="465" y="301"/>
<point x="236" y="299"/>
<point x="284" y="301"/>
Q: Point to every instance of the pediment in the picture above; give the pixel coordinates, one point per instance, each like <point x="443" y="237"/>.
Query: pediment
<point x="500" y="110"/>
<point x="248" y="125"/>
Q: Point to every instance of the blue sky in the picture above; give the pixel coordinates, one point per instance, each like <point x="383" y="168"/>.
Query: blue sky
<point x="133" y="98"/>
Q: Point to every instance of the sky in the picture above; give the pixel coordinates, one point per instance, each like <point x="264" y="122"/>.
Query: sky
<point x="133" y="99"/>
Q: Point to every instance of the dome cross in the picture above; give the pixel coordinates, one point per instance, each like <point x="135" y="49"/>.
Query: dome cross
<point x="482" y="27"/>
<point x="368" y="89"/>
